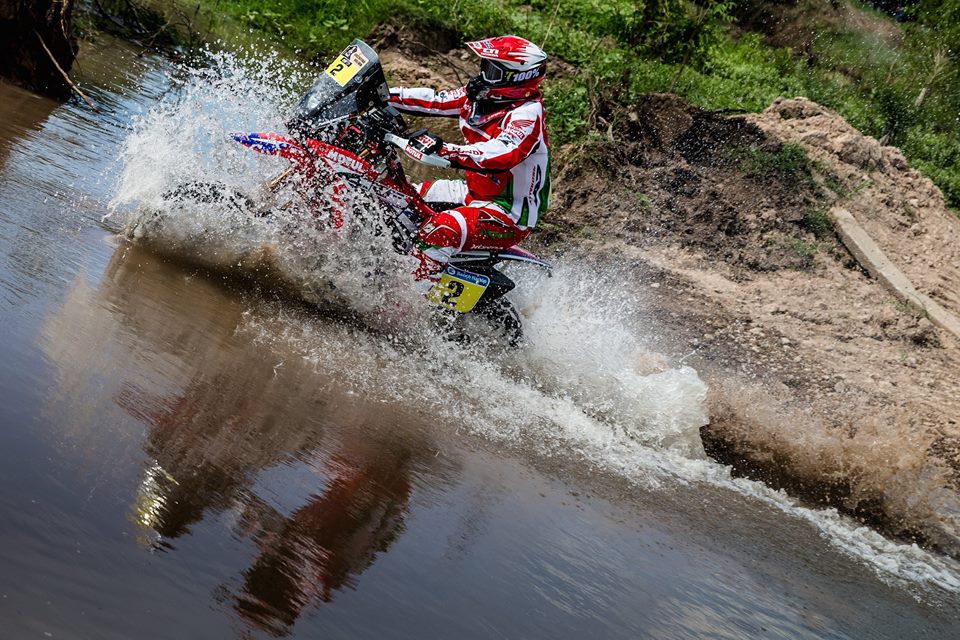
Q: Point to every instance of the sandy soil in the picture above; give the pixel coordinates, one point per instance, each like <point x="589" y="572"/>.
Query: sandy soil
<point x="822" y="383"/>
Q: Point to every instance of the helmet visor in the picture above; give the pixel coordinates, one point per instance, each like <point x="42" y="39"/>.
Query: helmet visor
<point x="491" y="72"/>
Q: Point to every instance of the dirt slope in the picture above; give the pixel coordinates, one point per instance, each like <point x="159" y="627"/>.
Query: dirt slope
<point x="823" y="383"/>
<point x="902" y="211"/>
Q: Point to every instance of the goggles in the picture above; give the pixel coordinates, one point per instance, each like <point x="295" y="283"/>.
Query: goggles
<point x="490" y="71"/>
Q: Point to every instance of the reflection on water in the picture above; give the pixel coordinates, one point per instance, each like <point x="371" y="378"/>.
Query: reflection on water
<point x="220" y="438"/>
<point x="322" y="545"/>
<point x="24" y="113"/>
<point x="244" y="434"/>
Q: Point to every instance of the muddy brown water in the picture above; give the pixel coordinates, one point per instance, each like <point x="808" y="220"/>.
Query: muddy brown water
<point x="168" y="474"/>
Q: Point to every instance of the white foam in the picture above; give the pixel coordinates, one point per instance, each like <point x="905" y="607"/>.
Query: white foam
<point x="546" y="419"/>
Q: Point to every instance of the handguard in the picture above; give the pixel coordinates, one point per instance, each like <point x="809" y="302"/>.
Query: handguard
<point x="411" y="149"/>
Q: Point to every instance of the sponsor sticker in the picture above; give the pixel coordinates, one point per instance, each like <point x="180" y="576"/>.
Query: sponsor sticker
<point x="458" y="290"/>
<point x="345" y="160"/>
<point x="516" y="127"/>
<point x="520" y="76"/>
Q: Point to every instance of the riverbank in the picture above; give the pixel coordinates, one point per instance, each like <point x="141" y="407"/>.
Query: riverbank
<point x="894" y="80"/>
<point x="823" y="383"/>
<point x="186" y="457"/>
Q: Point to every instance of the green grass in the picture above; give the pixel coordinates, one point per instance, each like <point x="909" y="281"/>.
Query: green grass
<point x="625" y="48"/>
<point x="644" y="202"/>
<point x="817" y="221"/>
<point x="937" y="155"/>
<point x="806" y="250"/>
<point x="788" y="164"/>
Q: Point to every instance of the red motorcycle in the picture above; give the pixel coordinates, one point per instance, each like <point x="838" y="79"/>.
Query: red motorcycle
<point x="344" y="138"/>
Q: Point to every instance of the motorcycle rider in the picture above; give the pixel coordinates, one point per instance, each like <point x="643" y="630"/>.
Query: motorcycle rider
<point x="506" y="156"/>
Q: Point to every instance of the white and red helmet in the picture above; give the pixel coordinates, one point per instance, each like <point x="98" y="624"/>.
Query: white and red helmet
<point x="511" y="68"/>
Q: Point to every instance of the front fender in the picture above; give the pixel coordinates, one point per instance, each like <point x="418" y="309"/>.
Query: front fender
<point x="271" y="144"/>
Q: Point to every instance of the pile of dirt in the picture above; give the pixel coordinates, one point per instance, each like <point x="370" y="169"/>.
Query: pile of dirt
<point x="822" y="383"/>
<point x="676" y="174"/>
<point x="904" y="212"/>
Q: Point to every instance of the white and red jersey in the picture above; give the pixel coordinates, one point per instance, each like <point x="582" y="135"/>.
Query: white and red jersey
<point x="506" y="158"/>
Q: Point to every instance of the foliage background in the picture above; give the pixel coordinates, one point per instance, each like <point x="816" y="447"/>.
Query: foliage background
<point x="890" y="68"/>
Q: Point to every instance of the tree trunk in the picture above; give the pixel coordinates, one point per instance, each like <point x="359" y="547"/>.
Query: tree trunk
<point x="25" y="26"/>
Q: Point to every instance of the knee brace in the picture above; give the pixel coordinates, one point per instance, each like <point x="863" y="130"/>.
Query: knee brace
<point x="444" y="230"/>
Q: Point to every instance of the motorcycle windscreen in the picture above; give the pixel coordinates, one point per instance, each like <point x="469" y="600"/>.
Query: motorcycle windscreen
<point x="352" y="82"/>
<point x="458" y="290"/>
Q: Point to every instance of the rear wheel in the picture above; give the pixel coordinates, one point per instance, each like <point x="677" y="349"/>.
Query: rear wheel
<point x="496" y="322"/>
<point x="504" y="318"/>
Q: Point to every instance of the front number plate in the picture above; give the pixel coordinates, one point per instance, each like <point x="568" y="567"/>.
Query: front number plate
<point x="347" y="65"/>
<point x="458" y="290"/>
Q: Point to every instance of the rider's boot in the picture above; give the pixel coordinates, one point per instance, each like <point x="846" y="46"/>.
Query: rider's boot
<point x="438" y="238"/>
<point x="427" y="272"/>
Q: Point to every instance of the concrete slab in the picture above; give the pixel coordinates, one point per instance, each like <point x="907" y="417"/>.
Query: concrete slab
<point x="875" y="261"/>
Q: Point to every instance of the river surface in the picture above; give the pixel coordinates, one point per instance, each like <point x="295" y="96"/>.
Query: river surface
<point x="182" y="456"/>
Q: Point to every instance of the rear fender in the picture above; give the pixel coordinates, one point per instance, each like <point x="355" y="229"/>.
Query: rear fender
<point x="522" y="255"/>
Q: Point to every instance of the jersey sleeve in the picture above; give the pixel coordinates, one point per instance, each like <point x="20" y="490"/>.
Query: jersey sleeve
<point x="519" y="136"/>
<point x="428" y="102"/>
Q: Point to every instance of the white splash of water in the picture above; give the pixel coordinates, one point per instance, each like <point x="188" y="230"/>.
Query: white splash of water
<point x="186" y="136"/>
<point x="185" y="141"/>
<point x="579" y="340"/>
<point x="541" y="418"/>
<point x="583" y="389"/>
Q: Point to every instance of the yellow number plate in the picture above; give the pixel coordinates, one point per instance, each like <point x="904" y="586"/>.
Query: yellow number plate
<point x="458" y="290"/>
<point x="346" y="65"/>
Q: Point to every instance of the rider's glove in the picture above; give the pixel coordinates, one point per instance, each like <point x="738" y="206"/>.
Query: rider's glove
<point x="424" y="142"/>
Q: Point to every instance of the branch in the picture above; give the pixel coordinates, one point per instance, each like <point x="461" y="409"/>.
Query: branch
<point x="64" y="73"/>
<point x="550" y="26"/>
<point x="64" y="10"/>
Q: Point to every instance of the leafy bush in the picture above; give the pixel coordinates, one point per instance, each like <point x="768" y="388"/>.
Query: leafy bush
<point x="567" y="105"/>
<point x="896" y="112"/>
<point x="938" y="156"/>
<point x="742" y="74"/>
